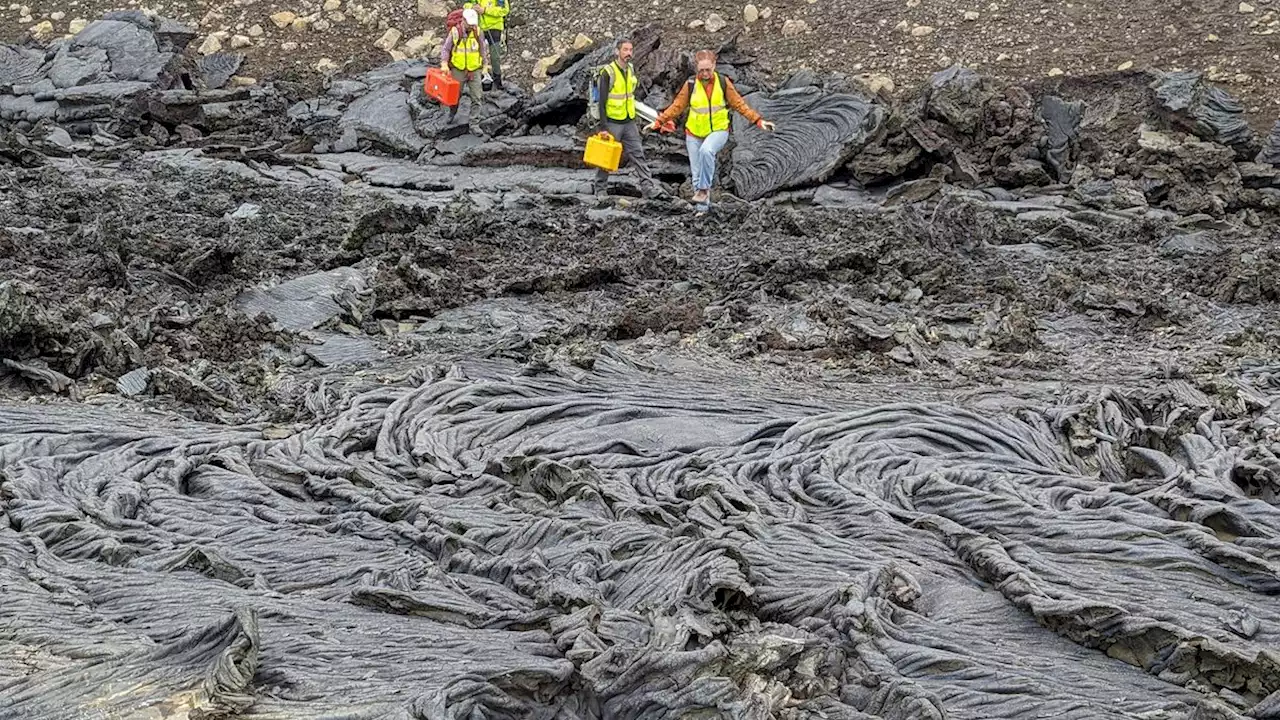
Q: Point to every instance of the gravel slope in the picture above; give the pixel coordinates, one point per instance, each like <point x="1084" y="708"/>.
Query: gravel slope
<point x="898" y="40"/>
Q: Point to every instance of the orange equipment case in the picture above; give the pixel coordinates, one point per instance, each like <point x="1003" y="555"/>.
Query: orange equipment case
<point x="440" y="85"/>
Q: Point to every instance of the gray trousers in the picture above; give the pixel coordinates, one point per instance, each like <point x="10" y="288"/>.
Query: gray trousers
<point x="474" y="86"/>
<point x="627" y="133"/>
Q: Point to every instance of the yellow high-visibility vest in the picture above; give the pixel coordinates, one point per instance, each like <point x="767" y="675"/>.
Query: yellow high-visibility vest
<point x="707" y="114"/>
<point x="621" y="103"/>
<point x="466" y="52"/>
<point x="493" y="14"/>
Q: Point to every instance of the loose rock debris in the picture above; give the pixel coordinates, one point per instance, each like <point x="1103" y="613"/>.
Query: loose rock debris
<point x="328" y="409"/>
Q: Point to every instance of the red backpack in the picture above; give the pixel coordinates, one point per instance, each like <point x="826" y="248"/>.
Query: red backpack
<point x="455" y="21"/>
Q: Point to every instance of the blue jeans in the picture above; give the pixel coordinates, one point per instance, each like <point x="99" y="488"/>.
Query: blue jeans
<point x="702" y="157"/>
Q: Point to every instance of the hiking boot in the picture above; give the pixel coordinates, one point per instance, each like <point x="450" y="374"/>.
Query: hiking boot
<point x="701" y="196"/>
<point x="600" y="190"/>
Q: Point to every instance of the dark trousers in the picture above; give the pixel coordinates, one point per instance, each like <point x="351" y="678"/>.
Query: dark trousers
<point x="628" y="133"/>
<point x="495" y="38"/>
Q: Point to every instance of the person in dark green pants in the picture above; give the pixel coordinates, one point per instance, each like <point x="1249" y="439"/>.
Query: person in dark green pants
<point x="493" y="23"/>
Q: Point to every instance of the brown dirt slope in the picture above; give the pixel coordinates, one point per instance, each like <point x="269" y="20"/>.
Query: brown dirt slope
<point x="903" y="40"/>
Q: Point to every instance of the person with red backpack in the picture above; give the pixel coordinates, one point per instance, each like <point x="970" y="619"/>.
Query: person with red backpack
<point x="466" y="54"/>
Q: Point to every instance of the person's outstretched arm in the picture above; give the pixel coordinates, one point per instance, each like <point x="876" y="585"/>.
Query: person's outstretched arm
<point x="675" y="109"/>
<point x="737" y="103"/>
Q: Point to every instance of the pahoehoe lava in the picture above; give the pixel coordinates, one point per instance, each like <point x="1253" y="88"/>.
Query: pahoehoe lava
<point x="960" y="406"/>
<point x="474" y="542"/>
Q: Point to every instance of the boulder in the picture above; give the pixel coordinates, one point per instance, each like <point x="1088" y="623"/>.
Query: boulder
<point x="1192" y="105"/>
<point x="1270" y="152"/>
<point x="81" y="66"/>
<point x="217" y="69"/>
<point x="563" y="98"/>
<point x="383" y="117"/>
<point x="132" y="50"/>
<point x="818" y="132"/>
<point x="19" y="66"/>
<point x="1062" y="125"/>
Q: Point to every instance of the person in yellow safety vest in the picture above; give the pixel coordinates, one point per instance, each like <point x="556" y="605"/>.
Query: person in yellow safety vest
<point x="493" y="23"/>
<point x="618" y="89"/>
<point x="466" y="54"/>
<point x="708" y="98"/>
